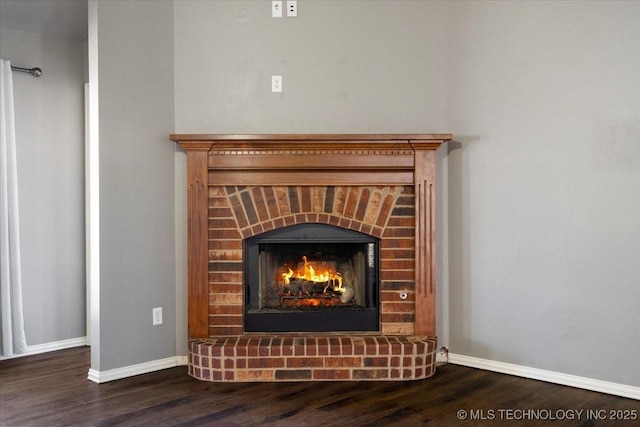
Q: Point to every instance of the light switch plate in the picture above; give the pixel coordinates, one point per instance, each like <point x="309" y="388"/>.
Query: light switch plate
<point x="276" y="8"/>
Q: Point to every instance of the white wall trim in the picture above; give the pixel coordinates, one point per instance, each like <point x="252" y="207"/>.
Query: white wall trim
<point x="50" y="346"/>
<point x="133" y="370"/>
<point x="549" y="376"/>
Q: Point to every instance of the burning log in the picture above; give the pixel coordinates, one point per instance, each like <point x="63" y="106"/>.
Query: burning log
<point x="309" y="287"/>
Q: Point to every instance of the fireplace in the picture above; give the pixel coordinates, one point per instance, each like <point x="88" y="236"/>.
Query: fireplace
<point x="311" y="278"/>
<point x="311" y="257"/>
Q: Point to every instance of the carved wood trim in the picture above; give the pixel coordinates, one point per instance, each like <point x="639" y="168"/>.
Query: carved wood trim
<point x="197" y="245"/>
<point x="425" y="321"/>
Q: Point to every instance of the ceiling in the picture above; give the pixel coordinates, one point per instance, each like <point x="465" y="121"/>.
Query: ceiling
<point x="62" y="18"/>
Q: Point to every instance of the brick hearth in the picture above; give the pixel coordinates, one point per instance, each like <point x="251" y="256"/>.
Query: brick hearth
<point x="242" y="185"/>
<point x="304" y="358"/>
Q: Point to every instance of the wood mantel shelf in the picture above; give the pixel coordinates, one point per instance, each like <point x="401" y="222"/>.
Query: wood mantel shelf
<point x="305" y="160"/>
<point x="309" y="137"/>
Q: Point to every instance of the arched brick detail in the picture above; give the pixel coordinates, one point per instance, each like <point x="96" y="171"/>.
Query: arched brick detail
<point x="385" y="212"/>
<point x="363" y="209"/>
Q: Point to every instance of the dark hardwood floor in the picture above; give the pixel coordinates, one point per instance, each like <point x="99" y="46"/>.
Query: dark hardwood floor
<point x="52" y="390"/>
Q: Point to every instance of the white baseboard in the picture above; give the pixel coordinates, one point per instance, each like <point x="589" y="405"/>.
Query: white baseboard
<point x="133" y="370"/>
<point x="623" y="390"/>
<point x="50" y="346"/>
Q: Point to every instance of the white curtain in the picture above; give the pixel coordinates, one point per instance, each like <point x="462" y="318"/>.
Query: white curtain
<point x="13" y="337"/>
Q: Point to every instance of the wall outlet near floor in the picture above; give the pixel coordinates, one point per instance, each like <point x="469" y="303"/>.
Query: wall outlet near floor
<point x="157" y="316"/>
<point x="276" y="83"/>
<point x="442" y="356"/>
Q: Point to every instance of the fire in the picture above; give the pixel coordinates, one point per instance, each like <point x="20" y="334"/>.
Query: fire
<point x="308" y="272"/>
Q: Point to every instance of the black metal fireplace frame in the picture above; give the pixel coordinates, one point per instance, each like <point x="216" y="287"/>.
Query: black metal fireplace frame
<point x="339" y="319"/>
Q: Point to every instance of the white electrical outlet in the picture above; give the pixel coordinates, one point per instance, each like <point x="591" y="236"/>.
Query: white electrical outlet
<point x="157" y="316"/>
<point x="276" y="83"/>
<point x="292" y="8"/>
<point x="276" y="9"/>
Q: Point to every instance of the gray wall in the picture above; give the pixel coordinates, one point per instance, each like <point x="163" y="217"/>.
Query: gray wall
<point x="347" y="67"/>
<point x="137" y="243"/>
<point x="49" y="114"/>
<point x="544" y="184"/>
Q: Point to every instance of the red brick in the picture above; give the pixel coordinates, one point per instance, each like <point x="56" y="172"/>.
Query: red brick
<point x="219" y="212"/>
<point x="366" y="228"/>
<point x="226" y="309"/>
<point x="398" y="264"/>
<point x="343" y="362"/>
<point x="305" y="196"/>
<point x="398" y="243"/>
<point x="312" y="348"/>
<point x="305" y="362"/>
<point x="265" y="362"/>
<point x="270" y="200"/>
<point x="334" y="346"/>
<point x="297" y="374"/>
<point x="398" y="317"/>
<point x="376" y="362"/>
<point x="223" y="235"/>
<point x="363" y="202"/>
<point x="226" y="245"/>
<point x="385" y="209"/>
<point x="225" y="330"/>
<point x="221" y="278"/>
<point x="352" y="199"/>
<point x="323" y="346"/>
<point x="407" y="275"/>
<point x="383" y="348"/>
<point x="218" y="223"/>
<point x="331" y="374"/>
<point x="298" y="346"/>
<point x="368" y="374"/>
<point x="260" y="204"/>
<point x="401" y="222"/>
<point x="225" y="320"/>
<point x="344" y="223"/>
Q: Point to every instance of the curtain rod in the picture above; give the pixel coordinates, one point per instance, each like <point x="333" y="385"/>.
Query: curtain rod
<point x="35" y="72"/>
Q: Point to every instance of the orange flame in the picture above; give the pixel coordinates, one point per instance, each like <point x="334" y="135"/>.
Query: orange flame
<point x="308" y="272"/>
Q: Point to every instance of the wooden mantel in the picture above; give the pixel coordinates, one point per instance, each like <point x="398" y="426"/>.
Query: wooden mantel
<point x="310" y="160"/>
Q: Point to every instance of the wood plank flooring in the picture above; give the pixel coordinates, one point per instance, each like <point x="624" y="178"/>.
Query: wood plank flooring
<point x="52" y="390"/>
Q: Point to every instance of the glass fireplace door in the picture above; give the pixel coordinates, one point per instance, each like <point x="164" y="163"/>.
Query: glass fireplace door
<point x="311" y="277"/>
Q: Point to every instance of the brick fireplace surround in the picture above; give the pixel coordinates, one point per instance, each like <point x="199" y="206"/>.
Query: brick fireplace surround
<point x="242" y="185"/>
